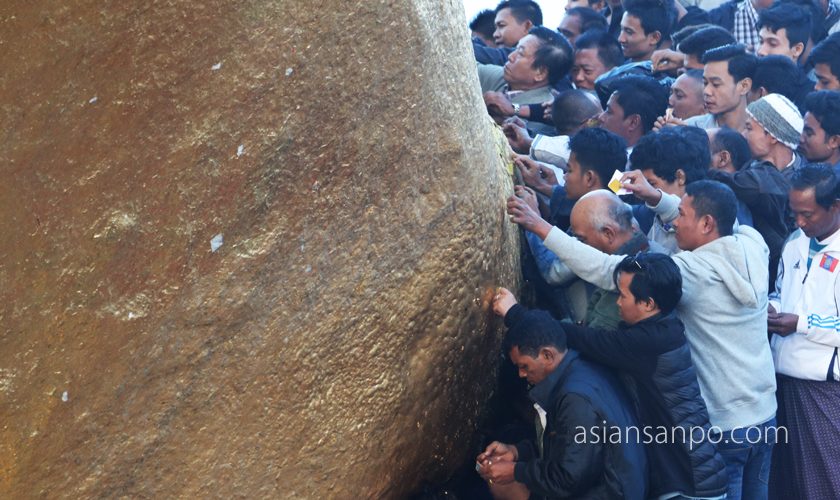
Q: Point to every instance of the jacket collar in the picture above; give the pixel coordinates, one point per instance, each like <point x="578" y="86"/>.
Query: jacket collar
<point x="649" y="321"/>
<point x="803" y="243"/>
<point x="543" y="393"/>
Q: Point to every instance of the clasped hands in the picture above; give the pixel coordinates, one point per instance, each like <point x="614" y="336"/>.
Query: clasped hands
<point x="496" y="464"/>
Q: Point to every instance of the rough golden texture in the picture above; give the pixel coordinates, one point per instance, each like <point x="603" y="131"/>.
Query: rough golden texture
<point x="338" y="343"/>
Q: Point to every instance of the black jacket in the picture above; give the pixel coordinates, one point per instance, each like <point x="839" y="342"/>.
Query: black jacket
<point x="655" y="355"/>
<point x="583" y="403"/>
<point x="490" y="55"/>
<point x="724" y="15"/>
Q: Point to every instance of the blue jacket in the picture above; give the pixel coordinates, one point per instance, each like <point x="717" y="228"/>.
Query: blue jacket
<point x="583" y="403"/>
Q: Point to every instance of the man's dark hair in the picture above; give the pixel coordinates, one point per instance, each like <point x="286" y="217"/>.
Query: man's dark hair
<point x="822" y="179"/>
<point x="570" y="109"/>
<point x="670" y="150"/>
<point x="705" y="39"/>
<point x="555" y="53"/>
<point x="485" y="23"/>
<point x="678" y="36"/>
<point x="700" y="140"/>
<point x="589" y="19"/>
<point x="600" y="151"/>
<point x="741" y="64"/>
<point x="778" y="75"/>
<point x="730" y="140"/>
<point x="609" y="50"/>
<point x="795" y="20"/>
<point x="653" y="15"/>
<point x="530" y="331"/>
<point x="714" y="199"/>
<point x="641" y="95"/>
<point x="818" y="28"/>
<point x="827" y="52"/>
<point x="523" y="10"/>
<point x="655" y="276"/>
<point x="824" y="105"/>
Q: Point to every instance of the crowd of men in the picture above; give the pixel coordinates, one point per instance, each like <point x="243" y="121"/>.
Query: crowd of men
<point x="678" y="186"/>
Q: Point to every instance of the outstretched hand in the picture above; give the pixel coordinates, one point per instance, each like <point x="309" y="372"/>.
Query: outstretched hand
<point x="517" y="135"/>
<point x="535" y="175"/>
<point x="498" y="105"/>
<point x="666" y="60"/>
<point x="528" y="195"/>
<point x="502" y="302"/>
<point x="529" y="218"/>
<point x="635" y="182"/>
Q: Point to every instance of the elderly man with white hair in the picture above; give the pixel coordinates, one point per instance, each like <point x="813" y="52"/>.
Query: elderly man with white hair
<point x="601" y="220"/>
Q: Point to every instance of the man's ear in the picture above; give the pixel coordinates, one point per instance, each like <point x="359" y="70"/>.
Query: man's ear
<point x="547" y="354"/>
<point x="744" y="86"/>
<point x="707" y="224"/>
<point x="635" y="122"/>
<point x="680" y="177"/>
<point x="797" y="50"/>
<point x="724" y="159"/>
<point x="649" y="305"/>
<point x="833" y="141"/>
<point x="590" y="178"/>
<point x="609" y="233"/>
<point x="541" y="74"/>
<point x="655" y="38"/>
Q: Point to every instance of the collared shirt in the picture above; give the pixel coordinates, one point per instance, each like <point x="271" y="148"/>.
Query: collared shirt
<point x="745" y="19"/>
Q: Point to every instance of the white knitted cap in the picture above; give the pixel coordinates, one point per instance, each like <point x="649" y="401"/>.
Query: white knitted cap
<point x="779" y="117"/>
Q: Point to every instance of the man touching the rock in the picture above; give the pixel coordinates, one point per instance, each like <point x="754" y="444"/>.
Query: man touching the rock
<point x="576" y="403"/>
<point x="541" y="59"/>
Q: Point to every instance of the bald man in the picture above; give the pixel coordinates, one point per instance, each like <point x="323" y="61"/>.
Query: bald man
<point x="601" y="220"/>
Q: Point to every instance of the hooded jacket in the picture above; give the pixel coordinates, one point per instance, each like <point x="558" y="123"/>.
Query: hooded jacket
<point x="724" y="309"/>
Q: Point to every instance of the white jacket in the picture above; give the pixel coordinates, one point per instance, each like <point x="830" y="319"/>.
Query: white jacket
<point x="813" y="294"/>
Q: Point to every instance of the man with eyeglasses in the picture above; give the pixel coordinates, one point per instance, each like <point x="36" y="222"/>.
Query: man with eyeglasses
<point x="724" y="309"/>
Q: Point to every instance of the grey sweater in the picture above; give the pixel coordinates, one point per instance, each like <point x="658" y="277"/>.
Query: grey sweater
<point x="724" y="308"/>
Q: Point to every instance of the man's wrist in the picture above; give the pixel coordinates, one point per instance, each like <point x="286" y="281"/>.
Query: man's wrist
<point x="545" y="188"/>
<point x="516" y="108"/>
<point x="542" y="228"/>
<point x="654" y="199"/>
